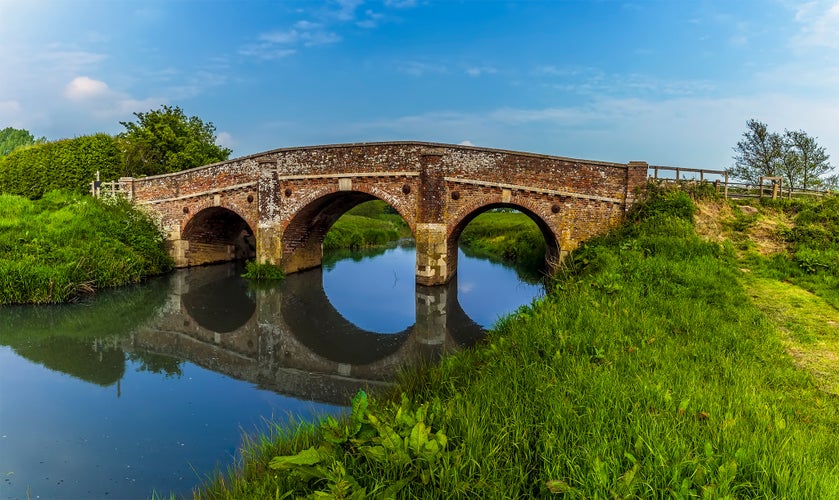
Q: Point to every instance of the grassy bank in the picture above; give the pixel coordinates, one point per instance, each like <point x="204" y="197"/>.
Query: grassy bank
<point x="508" y="237"/>
<point x="369" y="224"/>
<point x="647" y="372"/>
<point x="63" y="246"/>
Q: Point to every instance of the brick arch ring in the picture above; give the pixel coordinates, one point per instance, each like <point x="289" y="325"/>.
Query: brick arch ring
<point x="403" y="208"/>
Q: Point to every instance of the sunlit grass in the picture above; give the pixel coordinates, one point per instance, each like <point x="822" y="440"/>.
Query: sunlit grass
<point x="647" y="372"/>
<point x="64" y="245"/>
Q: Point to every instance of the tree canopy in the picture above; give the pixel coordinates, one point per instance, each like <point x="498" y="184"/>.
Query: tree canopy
<point x="166" y="140"/>
<point x="13" y="138"/>
<point x="794" y="155"/>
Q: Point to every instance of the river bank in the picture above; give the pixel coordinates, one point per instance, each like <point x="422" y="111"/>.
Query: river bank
<point x="647" y="371"/>
<point x="65" y="246"/>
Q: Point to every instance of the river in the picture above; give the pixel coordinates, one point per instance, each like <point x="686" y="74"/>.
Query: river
<point x="150" y="389"/>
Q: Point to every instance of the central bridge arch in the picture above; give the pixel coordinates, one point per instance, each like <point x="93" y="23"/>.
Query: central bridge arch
<point x="290" y="197"/>
<point x="303" y="234"/>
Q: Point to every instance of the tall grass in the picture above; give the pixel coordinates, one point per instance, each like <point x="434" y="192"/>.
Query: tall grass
<point x="647" y="372"/>
<point x="65" y="245"/>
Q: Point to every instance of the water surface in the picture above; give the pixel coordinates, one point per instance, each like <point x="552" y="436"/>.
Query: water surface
<point x="150" y="388"/>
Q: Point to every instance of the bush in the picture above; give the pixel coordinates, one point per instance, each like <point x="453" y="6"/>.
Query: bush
<point x="70" y="165"/>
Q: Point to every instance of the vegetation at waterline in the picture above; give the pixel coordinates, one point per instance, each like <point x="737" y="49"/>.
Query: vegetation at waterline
<point x="648" y="371"/>
<point x="64" y="246"/>
<point x="510" y="237"/>
<point x="369" y="224"/>
<point x="263" y="272"/>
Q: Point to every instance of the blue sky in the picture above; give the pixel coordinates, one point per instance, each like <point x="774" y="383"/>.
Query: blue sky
<point x="667" y="82"/>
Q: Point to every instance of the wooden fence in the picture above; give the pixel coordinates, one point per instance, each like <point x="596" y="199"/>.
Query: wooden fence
<point x="725" y="186"/>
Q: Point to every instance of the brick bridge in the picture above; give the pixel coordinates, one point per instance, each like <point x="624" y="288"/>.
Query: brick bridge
<point x="279" y="205"/>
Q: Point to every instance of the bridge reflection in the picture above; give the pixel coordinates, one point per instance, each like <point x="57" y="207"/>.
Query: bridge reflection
<point x="288" y="338"/>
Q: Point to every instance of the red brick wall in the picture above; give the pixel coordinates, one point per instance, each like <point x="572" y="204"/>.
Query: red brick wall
<point x="297" y="192"/>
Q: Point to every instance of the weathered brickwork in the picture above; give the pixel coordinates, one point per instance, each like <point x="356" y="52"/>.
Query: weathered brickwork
<point x="287" y="199"/>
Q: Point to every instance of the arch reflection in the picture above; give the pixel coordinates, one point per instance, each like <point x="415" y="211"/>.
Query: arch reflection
<point x="288" y="338"/>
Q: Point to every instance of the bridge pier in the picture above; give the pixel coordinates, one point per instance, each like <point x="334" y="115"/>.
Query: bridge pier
<point x="432" y="255"/>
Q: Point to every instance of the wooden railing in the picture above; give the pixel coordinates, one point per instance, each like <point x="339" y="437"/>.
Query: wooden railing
<point x="111" y="189"/>
<point x="724" y="185"/>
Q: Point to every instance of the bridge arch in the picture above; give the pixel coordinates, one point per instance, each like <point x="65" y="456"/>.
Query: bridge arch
<point x="303" y="234"/>
<point x="217" y="234"/>
<point x="547" y="226"/>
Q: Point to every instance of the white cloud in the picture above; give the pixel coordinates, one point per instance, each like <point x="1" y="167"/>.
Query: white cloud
<point x="466" y="143"/>
<point x="819" y="22"/>
<point x="225" y="140"/>
<point x="84" y="88"/>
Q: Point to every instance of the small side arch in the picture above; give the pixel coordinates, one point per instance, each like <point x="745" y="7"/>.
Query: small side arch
<point x="217" y="234"/>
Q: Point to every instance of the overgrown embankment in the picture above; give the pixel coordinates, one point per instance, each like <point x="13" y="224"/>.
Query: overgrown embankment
<point x="63" y="246"/>
<point x="647" y="372"/>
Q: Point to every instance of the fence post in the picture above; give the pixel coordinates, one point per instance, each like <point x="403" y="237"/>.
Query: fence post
<point x="726" y="185"/>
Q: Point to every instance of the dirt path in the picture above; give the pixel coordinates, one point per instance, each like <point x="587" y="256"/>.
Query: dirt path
<point x="809" y="324"/>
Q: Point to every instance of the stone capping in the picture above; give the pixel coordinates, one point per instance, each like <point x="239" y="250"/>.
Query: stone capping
<point x="344" y="176"/>
<point x="201" y="193"/>
<point x="516" y="187"/>
<point x="259" y="158"/>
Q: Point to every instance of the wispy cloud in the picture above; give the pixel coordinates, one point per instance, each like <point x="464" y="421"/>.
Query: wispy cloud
<point x="481" y="70"/>
<point x="819" y="23"/>
<point x="321" y="28"/>
<point x="419" y="68"/>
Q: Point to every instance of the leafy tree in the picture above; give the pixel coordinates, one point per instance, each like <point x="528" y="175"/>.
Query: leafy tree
<point x="808" y="161"/>
<point x="166" y="140"/>
<point x="759" y="153"/>
<point x="795" y="156"/>
<point x="13" y="138"/>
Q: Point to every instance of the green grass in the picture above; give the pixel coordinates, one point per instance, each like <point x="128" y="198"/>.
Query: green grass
<point x="372" y="223"/>
<point x="64" y="246"/>
<point x="647" y="372"/>
<point x="508" y="237"/>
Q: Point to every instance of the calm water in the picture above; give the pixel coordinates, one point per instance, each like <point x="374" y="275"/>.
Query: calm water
<point x="150" y="389"/>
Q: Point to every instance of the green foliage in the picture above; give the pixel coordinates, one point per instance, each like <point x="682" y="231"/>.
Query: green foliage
<point x="813" y="243"/>
<point x="372" y="223"/>
<point x="263" y="271"/>
<point x="70" y="164"/>
<point x="510" y="237"/>
<point x="12" y="138"/>
<point x="166" y="140"/>
<point x="793" y="155"/>
<point x="65" y="245"/>
<point x="395" y="448"/>
<point x="660" y="200"/>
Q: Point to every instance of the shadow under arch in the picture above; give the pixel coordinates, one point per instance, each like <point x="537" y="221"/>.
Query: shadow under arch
<point x="552" y="250"/>
<point x="218" y="234"/>
<point x="219" y="300"/>
<point x="302" y="239"/>
<point x="321" y="328"/>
